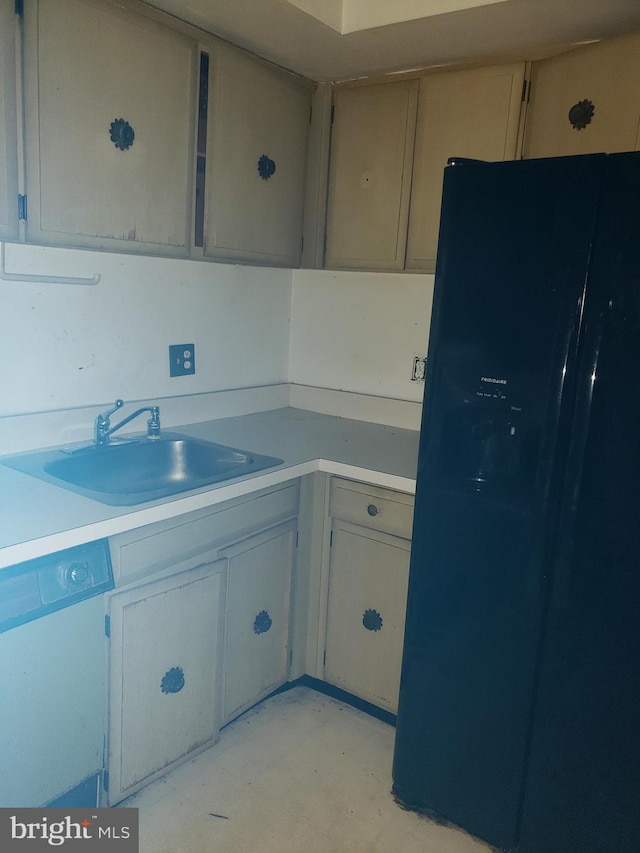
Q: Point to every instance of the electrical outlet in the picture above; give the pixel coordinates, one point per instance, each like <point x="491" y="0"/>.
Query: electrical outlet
<point x="419" y="365"/>
<point x="182" y="359"/>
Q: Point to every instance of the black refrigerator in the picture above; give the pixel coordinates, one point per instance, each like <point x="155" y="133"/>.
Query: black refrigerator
<point x="519" y="713"/>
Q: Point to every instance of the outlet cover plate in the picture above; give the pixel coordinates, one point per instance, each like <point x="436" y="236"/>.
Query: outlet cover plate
<point x="182" y="359"/>
<point x="418" y="370"/>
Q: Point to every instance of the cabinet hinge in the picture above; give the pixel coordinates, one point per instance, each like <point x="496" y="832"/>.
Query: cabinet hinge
<point x="107" y="626"/>
<point x="22" y="206"/>
<point x="105" y="780"/>
<point x="19" y="8"/>
<point x="526" y="91"/>
<point x="290" y="656"/>
<point x="333" y="112"/>
<point x="331" y="539"/>
<point x="324" y="658"/>
<point x="297" y="537"/>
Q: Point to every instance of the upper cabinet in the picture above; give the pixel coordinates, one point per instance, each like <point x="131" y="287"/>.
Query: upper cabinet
<point x="390" y="144"/>
<point x="144" y="134"/>
<point x="586" y="101"/>
<point x="256" y="160"/>
<point x="8" y="123"/>
<point x="125" y="129"/>
<point x="473" y="113"/>
<point x="370" y="175"/>
<point x="110" y="109"/>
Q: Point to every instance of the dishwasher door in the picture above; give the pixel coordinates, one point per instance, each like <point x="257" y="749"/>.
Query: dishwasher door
<point x="53" y="678"/>
<point x="52" y="713"/>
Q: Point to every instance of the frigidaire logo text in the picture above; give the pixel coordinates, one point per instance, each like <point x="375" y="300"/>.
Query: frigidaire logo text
<point x="491" y="379"/>
<point x="57" y="832"/>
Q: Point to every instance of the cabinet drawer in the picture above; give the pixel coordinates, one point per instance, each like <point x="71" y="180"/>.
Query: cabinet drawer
<point x="371" y="506"/>
<point x="156" y="546"/>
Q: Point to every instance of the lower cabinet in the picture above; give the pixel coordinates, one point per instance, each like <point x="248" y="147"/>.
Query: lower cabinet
<point x="367" y="594"/>
<point x="258" y="610"/>
<point x="198" y="629"/>
<point x="165" y="660"/>
<point x="201" y="626"/>
<point x="365" y="615"/>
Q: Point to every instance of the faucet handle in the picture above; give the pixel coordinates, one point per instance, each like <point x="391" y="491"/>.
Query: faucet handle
<point x="102" y="424"/>
<point x="117" y="405"/>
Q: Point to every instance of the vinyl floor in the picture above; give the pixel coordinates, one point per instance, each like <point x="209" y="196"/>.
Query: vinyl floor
<point x="299" y="773"/>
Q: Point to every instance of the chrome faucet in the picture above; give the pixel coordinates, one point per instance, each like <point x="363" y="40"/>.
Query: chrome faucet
<point x="103" y="428"/>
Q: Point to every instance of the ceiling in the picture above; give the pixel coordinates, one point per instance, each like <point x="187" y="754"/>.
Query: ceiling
<point x="504" y="30"/>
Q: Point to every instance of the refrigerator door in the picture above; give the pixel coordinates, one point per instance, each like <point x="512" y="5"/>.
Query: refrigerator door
<point x="583" y="786"/>
<point x="514" y="247"/>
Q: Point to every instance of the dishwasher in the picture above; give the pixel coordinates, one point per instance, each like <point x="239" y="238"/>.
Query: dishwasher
<point x="53" y="678"/>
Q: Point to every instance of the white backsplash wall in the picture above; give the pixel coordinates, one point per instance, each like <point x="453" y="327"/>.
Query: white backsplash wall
<point x="65" y="346"/>
<point x="359" y="331"/>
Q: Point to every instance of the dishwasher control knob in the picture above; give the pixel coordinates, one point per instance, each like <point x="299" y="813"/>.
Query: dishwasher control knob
<point x="77" y="574"/>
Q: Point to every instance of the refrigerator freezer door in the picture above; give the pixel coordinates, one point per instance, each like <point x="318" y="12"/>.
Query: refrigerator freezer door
<point x="514" y="248"/>
<point x="584" y="776"/>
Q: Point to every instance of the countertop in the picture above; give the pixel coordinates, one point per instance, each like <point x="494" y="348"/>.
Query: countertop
<point x="37" y="518"/>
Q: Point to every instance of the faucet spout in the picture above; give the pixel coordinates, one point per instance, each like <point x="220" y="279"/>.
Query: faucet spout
<point x="104" y="430"/>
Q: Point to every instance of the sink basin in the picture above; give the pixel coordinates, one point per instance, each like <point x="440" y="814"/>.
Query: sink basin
<point x="132" y="472"/>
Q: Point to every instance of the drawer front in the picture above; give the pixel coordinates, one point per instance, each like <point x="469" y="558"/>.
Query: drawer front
<point x="371" y="506"/>
<point x="157" y="546"/>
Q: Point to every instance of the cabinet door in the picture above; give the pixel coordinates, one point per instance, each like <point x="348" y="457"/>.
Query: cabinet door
<point x="256" y="160"/>
<point x="110" y="115"/>
<point x="586" y="101"/>
<point x="370" y="175"/>
<point x="473" y="113"/>
<point x="368" y="578"/>
<point x="165" y="656"/>
<point x="257" y="638"/>
<point x="8" y="123"/>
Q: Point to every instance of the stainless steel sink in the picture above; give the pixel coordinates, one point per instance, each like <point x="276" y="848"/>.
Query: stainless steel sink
<point x="134" y="471"/>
